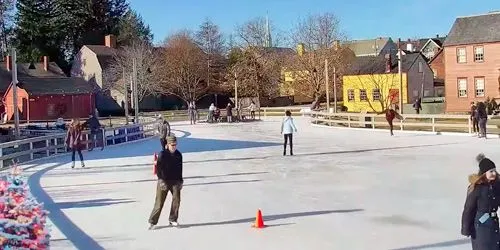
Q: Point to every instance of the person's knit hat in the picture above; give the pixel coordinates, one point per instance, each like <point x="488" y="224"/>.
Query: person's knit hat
<point x="485" y="164"/>
<point x="171" y="139"/>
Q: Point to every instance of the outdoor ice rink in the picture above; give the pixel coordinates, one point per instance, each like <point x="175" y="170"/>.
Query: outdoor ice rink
<point x="344" y="189"/>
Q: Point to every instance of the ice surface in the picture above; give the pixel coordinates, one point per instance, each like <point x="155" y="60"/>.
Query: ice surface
<point x="343" y="189"/>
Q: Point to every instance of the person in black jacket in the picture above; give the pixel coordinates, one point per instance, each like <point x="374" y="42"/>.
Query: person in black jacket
<point x="163" y="131"/>
<point x="96" y="132"/>
<point x="479" y="217"/>
<point x="169" y="172"/>
<point x="482" y="117"/>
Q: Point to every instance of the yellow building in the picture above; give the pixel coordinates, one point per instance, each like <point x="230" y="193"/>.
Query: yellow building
<point x="373" y="83"/>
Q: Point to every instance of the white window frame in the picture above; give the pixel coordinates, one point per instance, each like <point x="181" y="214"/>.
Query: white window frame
<point x="479" y="56"/>
<point x="376" y="94"/>
<point x="479" y="84"/>
<point x="362" y="97"/>
<point x="462" y="87"/>
<point x="461" y="55"/>
<point x="350" y="95"/>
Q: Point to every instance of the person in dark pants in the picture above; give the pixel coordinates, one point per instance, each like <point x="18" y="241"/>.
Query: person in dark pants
<point x="482" y="118"/>
<point x="169" y="172"/>
<point x="417" y="105"/>
<point x="287" y="129"/>
<point x="479" y="216"/>
<point x="74" y="141"/>
<point x="163" y="131"/>
<point x="390" y="114"/>
<point x="96" y="133"/>
<point x="475" y="122"/>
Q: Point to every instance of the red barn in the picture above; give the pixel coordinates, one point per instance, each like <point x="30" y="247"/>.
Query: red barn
<point x="45" y="93"/>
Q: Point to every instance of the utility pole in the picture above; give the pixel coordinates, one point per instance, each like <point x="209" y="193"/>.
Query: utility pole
<point x="327" y="87"/>
<point x="126" y="96"/>
<point x="135" y="91"/>
<point x="235" y="91"/>
<point x="14" y="92"/>
<point x="334" y="89"/>
<point x="400" y="71"/>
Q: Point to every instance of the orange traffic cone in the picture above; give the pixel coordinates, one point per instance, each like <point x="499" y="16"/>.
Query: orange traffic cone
<point x="154" y="163"/>
<point x="259" y="221"/>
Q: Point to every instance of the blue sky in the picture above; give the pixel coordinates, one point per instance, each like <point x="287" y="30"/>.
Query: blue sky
<point x="360" y="19"/>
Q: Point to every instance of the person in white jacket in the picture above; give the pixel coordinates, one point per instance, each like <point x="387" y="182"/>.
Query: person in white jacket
<point x="287" y="129"/>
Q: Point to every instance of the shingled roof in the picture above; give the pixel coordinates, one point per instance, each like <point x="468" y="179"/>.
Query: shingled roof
<point x="368" y="65"/>
<point x="368" y="47"/>
<point x="475" y="29"/>
<point x="104" y="54"/>
<point x="55" y="85"/>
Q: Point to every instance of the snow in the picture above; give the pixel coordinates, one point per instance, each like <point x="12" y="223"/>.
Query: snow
<point x="344" y="189"/>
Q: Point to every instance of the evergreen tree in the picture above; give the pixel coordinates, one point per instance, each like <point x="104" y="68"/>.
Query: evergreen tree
<point x="132" y="28"/>
<point x="37" y="32"/>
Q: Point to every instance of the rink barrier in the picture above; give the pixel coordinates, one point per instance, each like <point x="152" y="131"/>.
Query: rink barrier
<point x="180" y="115"/>
<point x="45" y="146"/>
<point x="412" y="122"/>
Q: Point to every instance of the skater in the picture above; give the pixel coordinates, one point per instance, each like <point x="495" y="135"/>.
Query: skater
<point x="417" y="105"/>
<point x="192" y="113"/>
<point x="169" y="172"/>
<point x="475" y="122"/>
<point x="390" y="114"/>
<point x="74" y="141"/>
<point x="482" y="118"/>
<point x="252" y="108"/>
<point x="479" y="217"/>
<point x="287" y="129"/>
<point x="163" y="131"/>
<point x="211" y="110"/>
<point x="96" y="132"/>
<point x="229" y="113"/>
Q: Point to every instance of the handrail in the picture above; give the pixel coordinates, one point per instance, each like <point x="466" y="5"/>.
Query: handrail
<point x="49" y="145"/>
<point x="421" y="122"/>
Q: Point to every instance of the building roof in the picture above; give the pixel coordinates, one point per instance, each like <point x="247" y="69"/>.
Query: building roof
<point x="55" y="85"/>
<point x="368" y="47"/>
<point x="368" y="65"/>
<point x="104" y="54"/>
<point x="23" y="70"/>
<point x="475" y="29"/>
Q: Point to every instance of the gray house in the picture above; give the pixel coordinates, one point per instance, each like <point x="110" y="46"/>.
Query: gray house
<point x="373" y="47"/>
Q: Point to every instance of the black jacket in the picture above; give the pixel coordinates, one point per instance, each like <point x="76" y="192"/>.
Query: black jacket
<point x="92" y="123"/>
<point x="169" y="166"/>
<point x="483" y="199"/>
<point x="164" y="129"/>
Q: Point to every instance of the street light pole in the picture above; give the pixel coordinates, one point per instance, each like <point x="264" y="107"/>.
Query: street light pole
<point x="400" y="70"/>
<point x="334" y="89"/>
<point x="235" y="91"/>
<point x="327" y="87"/>
<point x="14" y="92"/>
<point x="135" y="92"/>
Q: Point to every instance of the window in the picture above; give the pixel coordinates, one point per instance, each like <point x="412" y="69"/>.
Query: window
<point x="376" y="94"/>
<point x="479" y="83"/>
<point x="478" y="54"/>
<point x="350" y="95"/>
<point x="362" y="95"/>
<point x="461" y="55"/>
<point x="462" y="87"/>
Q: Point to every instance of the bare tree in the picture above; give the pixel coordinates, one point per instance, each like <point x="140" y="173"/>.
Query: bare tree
<point x="7" y="8"/>
<point x="320" y="39"/>
<point x="184" y="70"/>
<point x="258" y="32"/>
<point x="210" y="39"/>
<point x="120" y="72"/>
<point x="257" y="71"/>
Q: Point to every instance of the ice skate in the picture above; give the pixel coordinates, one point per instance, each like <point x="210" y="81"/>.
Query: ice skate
<point x="151" y="227"/>
<point x="73" y="165"/>
<point x="83" y="165"/>
<point x="174" y="223"/>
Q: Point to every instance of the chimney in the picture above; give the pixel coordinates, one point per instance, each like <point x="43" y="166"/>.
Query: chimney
<point x="409" y="47"/>
<point x="388" y="63"/>
<point x="110" y="41"/>
<point x="8" y="63"/>
<point x="300" y="49"/>
<point x="46" y="63"/>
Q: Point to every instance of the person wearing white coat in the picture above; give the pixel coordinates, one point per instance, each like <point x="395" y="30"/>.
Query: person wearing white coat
<point x="287" y="129"/>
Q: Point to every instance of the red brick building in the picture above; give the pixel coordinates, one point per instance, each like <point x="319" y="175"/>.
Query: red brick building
<point x="45" y="93"/>
<point x="472" y="61"/>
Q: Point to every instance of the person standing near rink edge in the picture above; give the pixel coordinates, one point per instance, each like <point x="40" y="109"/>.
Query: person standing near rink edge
<point x="479" y="217"/>
<point x="169" y="172"/>
<point x="287" y="129"/>
<point x="163" y="131"/>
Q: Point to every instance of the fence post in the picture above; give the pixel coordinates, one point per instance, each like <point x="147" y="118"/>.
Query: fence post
<point x="433" y="120"/>
<point x="126" y="134"/>
<point x="55" y="144"/>
<point x="1" y="161"/>
<point x="373" y="121"/>
<point x="31" y="153"/>
<point x="47" y="144"/>
<point x="348" y="120"/>
<point x="401" y="125"/>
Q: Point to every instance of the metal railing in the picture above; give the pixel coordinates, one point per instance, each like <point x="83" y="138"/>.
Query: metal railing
<point x="414" y="122"/>
<point x="44" y="146"/>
